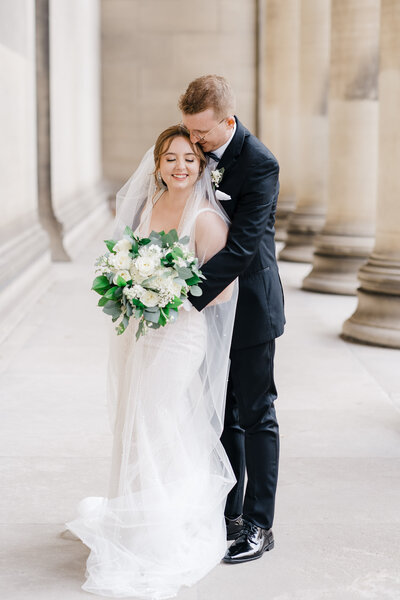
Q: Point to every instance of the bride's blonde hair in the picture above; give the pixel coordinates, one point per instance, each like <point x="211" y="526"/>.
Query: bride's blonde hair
<point x="164" y="141"/>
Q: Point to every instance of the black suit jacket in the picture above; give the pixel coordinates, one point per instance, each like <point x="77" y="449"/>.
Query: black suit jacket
<point x="251" y="179"/>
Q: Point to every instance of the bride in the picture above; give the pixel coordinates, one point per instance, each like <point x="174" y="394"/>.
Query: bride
<point x="161" y="525"/>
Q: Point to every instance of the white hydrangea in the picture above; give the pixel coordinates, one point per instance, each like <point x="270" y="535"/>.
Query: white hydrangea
<point x="135" y="291"/>
<point x="181" y="262"/>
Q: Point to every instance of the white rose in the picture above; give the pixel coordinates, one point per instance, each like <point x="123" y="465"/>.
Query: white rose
<point x="123" y="245"/>
<point x="145" y="265"/>
<point x="126" y="276"/>
<point x="149" y="298"/>
<point x="121" y="261"/>
<point x="150" y="250"/>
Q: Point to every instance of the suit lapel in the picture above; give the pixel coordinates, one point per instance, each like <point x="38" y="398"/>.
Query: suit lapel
<point x="234" y="149"/>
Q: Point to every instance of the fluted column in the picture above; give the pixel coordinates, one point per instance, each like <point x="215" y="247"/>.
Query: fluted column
<point x="281" y="99"/>
<point x="347" y="237"/>
<point x="377" y="317"/>
<point x="309" y="215"/>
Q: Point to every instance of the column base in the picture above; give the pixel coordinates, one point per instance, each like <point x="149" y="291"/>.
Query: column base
<point x="298" y="248"/>
<point x="304" y="224"/>
<point x="377" y="317"/>
<point x="25" y="275"/>
<point x="376" y="320"/>
<point x="84" y="214"/>
<point x="285" y="206"/>
<point x="333" y="275"/>
<point x="337" y="260"/>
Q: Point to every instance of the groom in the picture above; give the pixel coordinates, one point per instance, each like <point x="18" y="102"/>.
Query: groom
<point x="250" y="179"/>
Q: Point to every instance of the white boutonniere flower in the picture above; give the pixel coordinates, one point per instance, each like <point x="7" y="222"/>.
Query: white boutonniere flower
<point x="216" y="176"/>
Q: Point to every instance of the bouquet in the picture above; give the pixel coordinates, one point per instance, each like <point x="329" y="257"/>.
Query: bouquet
<point x="146" y="278"/>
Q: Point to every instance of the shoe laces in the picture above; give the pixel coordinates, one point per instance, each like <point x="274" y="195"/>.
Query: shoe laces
<point x="249" y="528"/>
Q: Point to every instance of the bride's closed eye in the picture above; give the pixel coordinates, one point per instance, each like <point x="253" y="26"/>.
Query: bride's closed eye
<point x="190" y="160"/>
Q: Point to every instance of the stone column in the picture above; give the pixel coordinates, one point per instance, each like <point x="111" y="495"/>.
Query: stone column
<point x="309" y="215"/>
<point x="377" y="317"/>
<point x="46" y="213"/>
<point x="347" y="237"/>
<point x="280" y="99"/>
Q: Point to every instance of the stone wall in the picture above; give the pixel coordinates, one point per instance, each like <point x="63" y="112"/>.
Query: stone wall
<point x="151" y="50"/>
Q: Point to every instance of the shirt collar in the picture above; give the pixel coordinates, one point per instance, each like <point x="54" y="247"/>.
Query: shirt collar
<point x="219" y="151"/>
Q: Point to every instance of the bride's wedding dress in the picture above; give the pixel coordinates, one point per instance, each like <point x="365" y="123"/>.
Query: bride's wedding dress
<point x="162" y="524"/>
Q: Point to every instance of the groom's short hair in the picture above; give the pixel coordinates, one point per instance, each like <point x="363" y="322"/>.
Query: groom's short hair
<point x="208" y="91"/>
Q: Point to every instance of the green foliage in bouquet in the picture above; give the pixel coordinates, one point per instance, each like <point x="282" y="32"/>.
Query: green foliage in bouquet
<point x="147" y="278"/>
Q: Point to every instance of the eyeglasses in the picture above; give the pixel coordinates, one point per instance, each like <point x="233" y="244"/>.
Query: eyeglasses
<point x="201" y="137"/>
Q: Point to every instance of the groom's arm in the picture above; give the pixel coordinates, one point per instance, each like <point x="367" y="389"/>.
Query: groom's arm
<point x="253" y="210"/>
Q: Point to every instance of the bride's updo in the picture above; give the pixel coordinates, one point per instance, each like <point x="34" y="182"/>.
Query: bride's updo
<point x="164" y="141"/>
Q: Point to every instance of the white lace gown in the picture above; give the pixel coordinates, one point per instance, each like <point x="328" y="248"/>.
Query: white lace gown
<point x="162" y="524"/>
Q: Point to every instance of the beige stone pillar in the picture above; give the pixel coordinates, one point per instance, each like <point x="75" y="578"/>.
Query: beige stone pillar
<point x="347" y="237"/>
<point x="309" y="215"/>
<point x="281" y="99"/>
<point x="47" y="217"/>
<point x="377" y="317"/>
<point x="78" y="190"/>
<point x="25" y="268"/>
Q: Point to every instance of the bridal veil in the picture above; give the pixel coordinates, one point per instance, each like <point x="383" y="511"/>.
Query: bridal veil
<point x="161" y="523"/>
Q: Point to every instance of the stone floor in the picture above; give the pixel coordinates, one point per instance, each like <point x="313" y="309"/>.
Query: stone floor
<point x="337" y="525"/>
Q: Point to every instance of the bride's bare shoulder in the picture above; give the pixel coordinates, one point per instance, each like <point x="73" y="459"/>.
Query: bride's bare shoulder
<point x="209" y="222"/>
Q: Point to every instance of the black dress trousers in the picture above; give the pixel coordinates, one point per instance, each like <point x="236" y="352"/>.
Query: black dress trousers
<point x="251" y="433"/>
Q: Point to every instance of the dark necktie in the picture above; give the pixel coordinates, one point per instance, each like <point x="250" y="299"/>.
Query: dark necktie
<point x="212" y="156"/>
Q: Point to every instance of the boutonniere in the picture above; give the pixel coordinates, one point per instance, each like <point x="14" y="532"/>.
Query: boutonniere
<point x="216" y="176"/>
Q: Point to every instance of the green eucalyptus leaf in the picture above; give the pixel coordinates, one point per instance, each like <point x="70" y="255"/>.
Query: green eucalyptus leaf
<point x="170" y="238"/>
<point x="179" y="280"/>
<point x="140" y="330"/>
<point x="184" y="272"/>
<point x="193" y="280"/>
<point x="114" y="310"/>
<point x="195" y="290"/>
<point x="152" y="316"/>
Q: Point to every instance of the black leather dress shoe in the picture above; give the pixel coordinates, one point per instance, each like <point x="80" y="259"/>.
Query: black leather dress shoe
<point x="252" y="542"/>
<point x="233" y="527"/>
